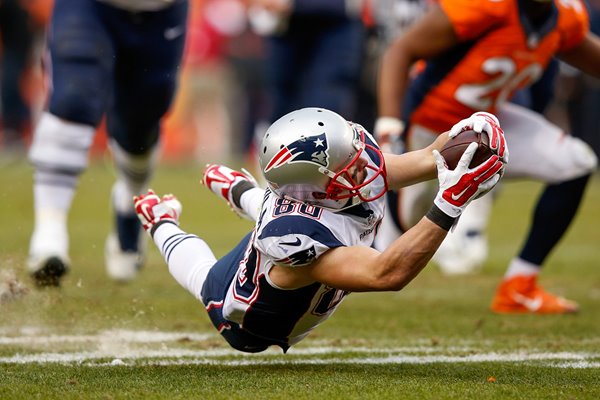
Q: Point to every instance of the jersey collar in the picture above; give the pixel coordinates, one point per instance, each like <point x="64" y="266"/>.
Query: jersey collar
<point x="534" y="36"/>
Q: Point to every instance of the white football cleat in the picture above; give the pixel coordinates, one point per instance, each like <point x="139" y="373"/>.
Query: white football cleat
<point x="221" y="179"/>
<point x="123" y="266"/>
<point x="462" y="254"/>
<point x="48" y="257"/>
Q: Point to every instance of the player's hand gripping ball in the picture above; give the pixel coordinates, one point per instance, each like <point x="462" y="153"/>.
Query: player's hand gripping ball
<point x="455" y="148"/>
<point x="482" y="128"/>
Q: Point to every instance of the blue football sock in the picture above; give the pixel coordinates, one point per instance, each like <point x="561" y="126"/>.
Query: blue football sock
<point x="553" y="214"/>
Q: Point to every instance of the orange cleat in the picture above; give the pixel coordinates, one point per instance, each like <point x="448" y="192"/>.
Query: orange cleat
<point x="521" y="294"/>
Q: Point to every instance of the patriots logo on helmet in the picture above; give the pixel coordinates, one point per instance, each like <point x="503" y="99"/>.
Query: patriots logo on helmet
<point x="312" y="149"/>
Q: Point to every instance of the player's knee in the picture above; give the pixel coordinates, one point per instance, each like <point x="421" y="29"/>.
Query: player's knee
<point x="61" y="145"/>
<point x="584" y="160"/>
<point x="134" y="168"/>
<point x="82" y="82"/>
<point x="160" y="98"/>
<point x="587" y="157"/>
<point x="78" y="102"/>
<point x="134" y="136"/>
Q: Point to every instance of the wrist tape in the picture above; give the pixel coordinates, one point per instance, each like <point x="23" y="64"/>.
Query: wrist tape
<point x="238" y="189"/>
<point x="440" y="218"/>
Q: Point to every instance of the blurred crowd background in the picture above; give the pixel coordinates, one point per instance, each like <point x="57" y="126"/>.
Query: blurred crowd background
<point x="234" y="57"/>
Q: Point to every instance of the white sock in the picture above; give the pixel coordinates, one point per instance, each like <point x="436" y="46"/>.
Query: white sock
<point x="189" y="258"/>
<point x="52" y="201"/>
<point x="59" y="152"/>
<point x="133" y="175"/>
<point x="122" y="195"/>
<point x="49" y="195"/>
<point x="61" y="145"/>
<point x="251" y="201"/>
<point x="521" y="267"/>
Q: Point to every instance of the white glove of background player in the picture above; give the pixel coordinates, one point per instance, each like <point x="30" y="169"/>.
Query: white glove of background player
<point x="463" y="184"/>
<point x="482" y="121"/>
<point x="388" y="131"/>
<point x="151" y="209"/>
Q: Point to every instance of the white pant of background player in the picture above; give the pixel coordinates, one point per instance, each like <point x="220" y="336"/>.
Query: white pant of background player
<point x="539" y="150"/>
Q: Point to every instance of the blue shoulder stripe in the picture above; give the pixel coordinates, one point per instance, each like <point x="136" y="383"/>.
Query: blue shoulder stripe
<point x="295" y="224"/>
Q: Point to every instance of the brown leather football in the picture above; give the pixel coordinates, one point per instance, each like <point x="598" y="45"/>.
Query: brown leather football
<point x="455" y="147"/>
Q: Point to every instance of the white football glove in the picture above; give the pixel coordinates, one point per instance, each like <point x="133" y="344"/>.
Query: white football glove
<point x="151" y="209"/>
<point x="388" y="132"/>
<point x="460" y="186"/>
<point x="482" y="121"/>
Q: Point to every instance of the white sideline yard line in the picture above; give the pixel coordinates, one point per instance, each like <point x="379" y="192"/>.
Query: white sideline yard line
<point x="121" y="336"/>
<point x="178" y="357"/>
<point x="135" y="348"/>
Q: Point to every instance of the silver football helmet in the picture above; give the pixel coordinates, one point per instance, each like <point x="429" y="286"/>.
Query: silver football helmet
<point x="308" y="155"/>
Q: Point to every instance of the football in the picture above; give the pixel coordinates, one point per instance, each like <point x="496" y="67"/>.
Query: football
<point x="455" y="147"/>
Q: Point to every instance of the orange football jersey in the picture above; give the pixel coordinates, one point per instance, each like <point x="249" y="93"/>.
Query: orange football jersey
<point x="499" y="53"/>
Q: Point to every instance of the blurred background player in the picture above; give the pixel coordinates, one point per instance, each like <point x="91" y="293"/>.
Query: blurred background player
<point x="313" y="55"/>
<point x="395" y="16"/>
<point x="577" y="99"/>
<point x="22" y="24"/>
<point x="119" y="57"/>
<point x="315" y="223"/>
<point x="477" y="54"/>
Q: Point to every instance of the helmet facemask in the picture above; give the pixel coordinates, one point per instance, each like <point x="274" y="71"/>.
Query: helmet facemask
<point x="343" y="185"/>
<point x="310" y="155"/>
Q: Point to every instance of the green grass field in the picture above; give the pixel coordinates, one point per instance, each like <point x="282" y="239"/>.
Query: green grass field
<point x="94" y="339"/>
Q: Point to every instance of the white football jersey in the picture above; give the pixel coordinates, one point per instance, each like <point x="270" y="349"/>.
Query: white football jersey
<point x="294" y="234"/>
